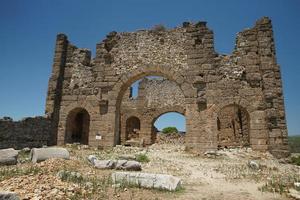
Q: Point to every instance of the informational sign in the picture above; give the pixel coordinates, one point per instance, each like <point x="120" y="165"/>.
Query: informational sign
<point x="98" y="137"/>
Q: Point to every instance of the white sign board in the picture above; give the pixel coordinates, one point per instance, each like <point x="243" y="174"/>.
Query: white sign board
<point x="98" y="137"/>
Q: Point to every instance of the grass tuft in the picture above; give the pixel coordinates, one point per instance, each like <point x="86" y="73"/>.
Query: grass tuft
<point x="143" y="158"/>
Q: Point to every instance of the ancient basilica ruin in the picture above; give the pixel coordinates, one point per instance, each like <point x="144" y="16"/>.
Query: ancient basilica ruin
<point x="228" y="100"/>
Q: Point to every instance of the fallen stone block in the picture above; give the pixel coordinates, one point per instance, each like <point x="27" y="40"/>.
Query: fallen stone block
<point x="41" y="154"/>
<point x="212" y="154"/>
<point x="147" y="180"/>
<point x="8" y="156"/>
<point x="128" y="165"/>
<point x="294" y="194"/>
<point x="105" y="164"/>
<point x="26" y="150"/>
<point x="91" y="159"/>
<point x="4" y="195"/>
<point x="253" y="165"/>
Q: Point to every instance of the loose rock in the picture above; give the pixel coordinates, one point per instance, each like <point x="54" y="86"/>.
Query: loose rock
<point x="104" y="164"/>
<point x="91" y="159"/>
<point x="253" y="165"/>
<point x="4" y="195"/>
<point x="26" y="149"/>
<point x="8" y="156"/>
<point x="294" y="194"/>
<point x="128" y="165"/>
<point x="211" y="154"/>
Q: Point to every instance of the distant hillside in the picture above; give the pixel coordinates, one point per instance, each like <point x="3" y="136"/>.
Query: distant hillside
<point x="294" y="143"/>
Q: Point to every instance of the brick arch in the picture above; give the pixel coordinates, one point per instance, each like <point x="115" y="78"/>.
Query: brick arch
<point x="84" y="105"/>
<point x="127" y="79"/>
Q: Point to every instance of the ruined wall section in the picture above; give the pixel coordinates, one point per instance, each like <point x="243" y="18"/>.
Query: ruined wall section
<point x="161" y="93"/>
<point x="123" y="58"/>
<point x="272" y="89"/>
<point x="255" y="50"/>
<point x="79" y="90"/>
<point x="145" y="48"/>
<point x="28" y="132"/>
<point x="79" y="76"/>
<point x="54" y="94"/>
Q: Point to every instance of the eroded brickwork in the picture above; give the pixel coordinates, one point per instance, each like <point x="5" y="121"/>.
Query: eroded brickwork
<point x="249" y="79"/>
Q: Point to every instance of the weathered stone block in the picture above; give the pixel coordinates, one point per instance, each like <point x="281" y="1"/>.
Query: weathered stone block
<point x="157" y="181"/>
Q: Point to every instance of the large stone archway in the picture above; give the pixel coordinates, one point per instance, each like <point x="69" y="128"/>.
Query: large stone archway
<point x="125" y="81"/>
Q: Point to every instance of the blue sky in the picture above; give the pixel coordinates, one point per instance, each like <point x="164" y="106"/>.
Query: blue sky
<point x="28" y="30"/>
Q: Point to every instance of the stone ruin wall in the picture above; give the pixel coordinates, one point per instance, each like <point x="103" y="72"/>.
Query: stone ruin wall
<point x="28" y="132"/>
<point x="249" y="78"/>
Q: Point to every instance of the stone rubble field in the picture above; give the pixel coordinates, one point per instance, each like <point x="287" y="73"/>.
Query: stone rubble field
<point x="225" y="174"/>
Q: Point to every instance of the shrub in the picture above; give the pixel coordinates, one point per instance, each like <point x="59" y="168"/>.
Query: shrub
<point x="296" y="160"/>
<point x="170" y="129"/>
<point x="159" y="28"/>
<point x="294" y="143"/>
<point x="143" y="158"/>
<point x="6" y="173"/>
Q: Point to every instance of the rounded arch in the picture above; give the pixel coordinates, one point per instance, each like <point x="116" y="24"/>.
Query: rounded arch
<point x="81" y="104"/>
<point x="156" y="115"/>
<point x="77" y="126"/>
<point x="177" y="109"/>
<point x="133" y="126"/>
<point x="239" y="101"/>
<point x="127" y="79"/>
<point x="165" y="71"/>
<point x="233" y="126"/>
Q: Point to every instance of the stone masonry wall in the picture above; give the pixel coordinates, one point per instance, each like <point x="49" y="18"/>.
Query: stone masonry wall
<point x="28" y="132"/>
<point x="248" y="78"/>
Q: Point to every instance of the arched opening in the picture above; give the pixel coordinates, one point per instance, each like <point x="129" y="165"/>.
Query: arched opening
<point x="168" y="127"/>
<point x="133" y="126"/>
<point x="233" y="126"/>
<point x="134" y="99"/>
<point x="77" y="127"/>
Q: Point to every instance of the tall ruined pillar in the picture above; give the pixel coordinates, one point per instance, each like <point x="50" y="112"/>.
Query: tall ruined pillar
<point x="55" y="84"/>
<point x="272" y="89"/>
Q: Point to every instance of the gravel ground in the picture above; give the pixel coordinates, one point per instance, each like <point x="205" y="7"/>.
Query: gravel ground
<point x="223" y="175"/>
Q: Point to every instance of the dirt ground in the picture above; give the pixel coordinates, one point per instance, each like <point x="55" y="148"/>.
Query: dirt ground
<point x="224" y="176"/>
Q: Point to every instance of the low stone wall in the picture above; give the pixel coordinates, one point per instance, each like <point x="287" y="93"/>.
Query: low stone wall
<point x="28" y="132"/>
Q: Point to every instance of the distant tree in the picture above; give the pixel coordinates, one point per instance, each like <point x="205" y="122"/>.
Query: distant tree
<point x="170" y="129"/>
<point x="158" y="28"/>
<point x="294" y="143"/>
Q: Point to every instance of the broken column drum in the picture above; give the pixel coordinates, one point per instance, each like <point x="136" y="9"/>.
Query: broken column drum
<point x="228" y="100"/>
